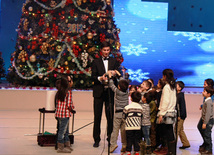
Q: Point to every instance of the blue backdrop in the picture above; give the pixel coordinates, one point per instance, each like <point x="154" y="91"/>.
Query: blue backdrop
<point x="148" y="47"/>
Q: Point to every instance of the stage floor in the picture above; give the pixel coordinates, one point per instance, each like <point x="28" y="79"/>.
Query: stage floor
<point x="19" y="128"/>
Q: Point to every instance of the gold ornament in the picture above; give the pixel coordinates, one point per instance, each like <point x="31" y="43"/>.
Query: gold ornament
<point x="66" y="63"/>
<point x="25" y="27"/>
<point x="92" y="49"/>
<point x="84" y="1"/>
<point x="23" y="59"/>
<point x="44" y="48"/>
<point x="118" y="43"/>
<point x="79" y="2"/>
<point x="90" y="35"/>
<point x="32" y="58"/>
<point x="53" y="3"/>
<point x="108" y="2"/>
<point x="51" y="63"/>
<point x="40" y="75"/>
<point x="22" y="55"/>
<point x="58" y="48"/>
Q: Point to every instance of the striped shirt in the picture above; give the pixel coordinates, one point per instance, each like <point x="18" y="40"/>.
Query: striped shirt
<point x="62" y="107"/>
<point x="132" y="114"/>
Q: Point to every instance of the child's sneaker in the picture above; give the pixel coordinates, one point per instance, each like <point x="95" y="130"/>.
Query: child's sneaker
<point x="122" y="153"/>
<point x="123" y="149"/>
<point x="137" y="153"/>
<point x="128" y="153"/>
<point x="112" y="148"/>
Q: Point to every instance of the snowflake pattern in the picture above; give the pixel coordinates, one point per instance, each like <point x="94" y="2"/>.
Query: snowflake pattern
<point x="194" y="35"/>
<point x="137" y="75"/>
<point x="131" y="49"/>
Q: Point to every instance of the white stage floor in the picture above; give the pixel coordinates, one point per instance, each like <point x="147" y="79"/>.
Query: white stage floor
<point x="19" y="124"/>
<point x="18" y="134"/>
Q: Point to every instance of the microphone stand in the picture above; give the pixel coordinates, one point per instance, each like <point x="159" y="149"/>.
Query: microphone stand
<point x="110" y="111"/>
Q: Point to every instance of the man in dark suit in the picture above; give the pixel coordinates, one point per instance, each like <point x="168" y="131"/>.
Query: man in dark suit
<point x="101" y="92"/>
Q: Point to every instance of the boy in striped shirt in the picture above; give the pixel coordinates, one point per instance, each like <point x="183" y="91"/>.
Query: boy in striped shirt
<point x="132" y="114"/>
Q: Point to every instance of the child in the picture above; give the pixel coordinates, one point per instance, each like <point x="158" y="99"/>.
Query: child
<point x="153" y="115"/>
<point x="152" y="83"/>
<point x="210" y="83"/>
<point x="160" y="86"/>
<point x="205" y="123"/>
<point x="120" y="101"/>
<point x="64" y="105"/>
<point x="167" y="107"/>
<point x="132" y="114"/>
<point x="144" y="87"/>
<point x="132" y="88"/>
<point x="160" y="140"/>
<point x="146" y="123"/>
<point x="181" y="115"/>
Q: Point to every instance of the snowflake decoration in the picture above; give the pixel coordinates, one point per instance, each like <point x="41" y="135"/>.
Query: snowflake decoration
<point x="131" y="49"/>
<point x="137" y="75"/>
<point x="194" y="35"/>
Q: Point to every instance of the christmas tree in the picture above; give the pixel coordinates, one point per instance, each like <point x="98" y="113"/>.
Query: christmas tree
<point x="2" y="69"/>
<point x="62" y="37"/>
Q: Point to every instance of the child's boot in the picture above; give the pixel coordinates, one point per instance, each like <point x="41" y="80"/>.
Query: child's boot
<point x="68" y="145"/>
<point x="148" y="150"/>
<point x="62" y="149"/>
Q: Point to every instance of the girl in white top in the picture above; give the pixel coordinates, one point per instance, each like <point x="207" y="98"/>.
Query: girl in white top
<point x="168" y="104"/>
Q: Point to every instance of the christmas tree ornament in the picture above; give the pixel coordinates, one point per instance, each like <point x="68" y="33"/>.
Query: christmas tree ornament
<point x="30" y="8"/>
<point x="44" y="48"/>
<point x="32" y="58"/>
<point x="23" y="59"/>
<point x="84" y="1"/>
<point x="79" y="2"/>
<point x="90" y="35"/>
<point x="53" y="3"/>
<point x="69" y="58"/>
<point x="66" y="63"/>
<point x="40" y="75"/>
<point x="58" y="48"/>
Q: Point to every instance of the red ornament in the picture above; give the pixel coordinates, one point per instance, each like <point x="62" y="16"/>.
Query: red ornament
<point x="72" y="12"/>
<point x="69" y="2"/>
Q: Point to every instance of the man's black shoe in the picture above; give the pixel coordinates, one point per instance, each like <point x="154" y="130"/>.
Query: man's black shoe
<point x="96" y="144"/>
<point x="184" y="147"/>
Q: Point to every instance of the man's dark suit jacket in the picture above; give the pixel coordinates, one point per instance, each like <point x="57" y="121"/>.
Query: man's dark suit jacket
<point x="98" y="69"/>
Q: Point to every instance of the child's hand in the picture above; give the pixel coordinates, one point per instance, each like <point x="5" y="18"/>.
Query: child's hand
<point x="139" y="90"/>
<point x="118" y="73"/>
<point x="204" y="126"/>
<point x="160" y="119"/>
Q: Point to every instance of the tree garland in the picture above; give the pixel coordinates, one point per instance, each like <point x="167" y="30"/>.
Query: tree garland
<point x="87" y="11"/>
<point x="40" y="70"/>
<point x="62" y="3"/>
